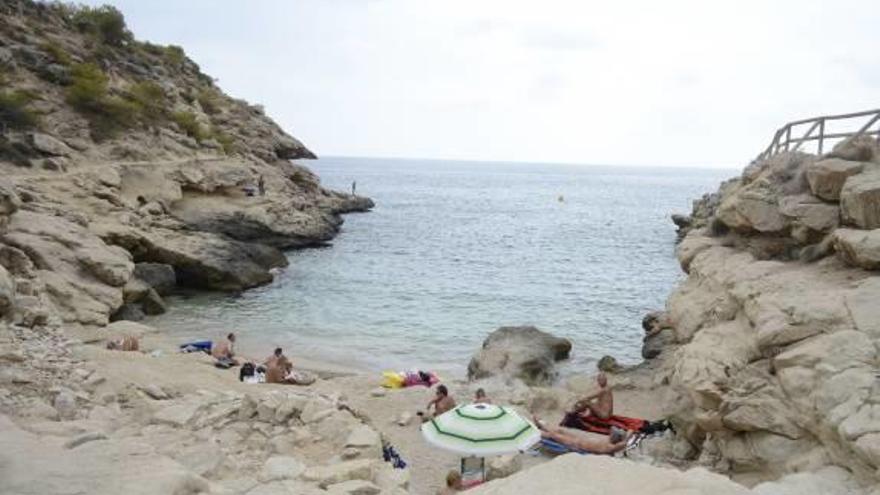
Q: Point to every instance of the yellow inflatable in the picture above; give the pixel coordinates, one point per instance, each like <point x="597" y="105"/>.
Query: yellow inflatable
<point x="393" y="379"/>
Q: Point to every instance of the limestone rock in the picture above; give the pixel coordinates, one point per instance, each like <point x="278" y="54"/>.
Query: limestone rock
<point x="83" y="276"/>
<point x="65" y="404"/>
<point x="609" y="364"/>
<point x="860" y="200"/>
<point x="858" y="247"/>
<point x="503" y="466"/>
<point x="365" y="438"/>
<point x="84" y="439"/>
<point x="177" y="415"/>
<point x="159" y="276"/>
<point x="152" y="304"/>
<point x="859" y="149"/>
<point x="281" y="468"/>
<point x="49" y="145"/>
<point x="7" y="292"/>
<point x="827" y="177"/>
<point x="354" y="487"/>
<point x="524" y="353"/>
<point x="361" y="469"/>
<point x="9" y="200"/>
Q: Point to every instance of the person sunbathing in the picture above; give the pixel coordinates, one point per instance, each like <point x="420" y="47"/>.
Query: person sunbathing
<point x="224" y="350"/>
<point x="599" y="403"/>
<point x="127" y="343"/>
<point x="604" y="446"/>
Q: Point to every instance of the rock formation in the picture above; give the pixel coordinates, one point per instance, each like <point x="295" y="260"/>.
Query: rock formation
<point x="120" y="154"/>
<point x="524" y="353"/>
<point x="771" y="343"/>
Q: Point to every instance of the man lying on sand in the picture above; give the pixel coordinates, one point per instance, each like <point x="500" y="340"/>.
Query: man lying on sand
<point x="127" y="343"/>
<point x="224" y="350"/>
<point x="607" y="445"/>
<point x="599" y="403"/>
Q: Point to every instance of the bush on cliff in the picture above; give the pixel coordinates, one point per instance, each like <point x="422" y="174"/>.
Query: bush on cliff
<point x="88" y="95"/>
<point x="105" y="23"/>
<point x="150" y="101"/>
<point x="189" y="125"/>
<point x="14" y="112"/>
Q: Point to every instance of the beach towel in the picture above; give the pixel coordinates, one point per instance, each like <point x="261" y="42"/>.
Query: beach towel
<point x="201" y="345"/>
<point x="558" y="448"/>
<point x="594" y="424"/>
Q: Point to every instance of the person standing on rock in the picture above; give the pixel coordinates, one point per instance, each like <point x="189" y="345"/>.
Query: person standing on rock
<point x="354" y="185"/>
<point x="599" y="403"/>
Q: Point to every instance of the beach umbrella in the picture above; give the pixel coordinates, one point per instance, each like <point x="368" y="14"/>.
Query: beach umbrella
<point x="481" y="430"/>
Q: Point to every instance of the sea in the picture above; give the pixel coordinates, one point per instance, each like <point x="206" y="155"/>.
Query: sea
<point x="455" y="249"/>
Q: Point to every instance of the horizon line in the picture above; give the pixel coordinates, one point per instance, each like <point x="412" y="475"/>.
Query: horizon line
<point x="530" y="162"/>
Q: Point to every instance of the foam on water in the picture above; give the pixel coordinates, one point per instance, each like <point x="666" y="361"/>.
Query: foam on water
<point x="454" y="250"/>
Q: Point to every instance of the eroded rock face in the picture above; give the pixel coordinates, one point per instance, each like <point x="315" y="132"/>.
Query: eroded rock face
<point x="525" y="353"/>
<point x="773" y="344"/>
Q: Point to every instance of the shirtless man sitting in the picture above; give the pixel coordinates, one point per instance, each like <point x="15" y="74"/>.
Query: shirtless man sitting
<point x="599" y="403"/>
<point x="278" y="368"/>
<point x="224" y="350"/>
<point x="442" y="402"/>
<point x="604" y="446"/>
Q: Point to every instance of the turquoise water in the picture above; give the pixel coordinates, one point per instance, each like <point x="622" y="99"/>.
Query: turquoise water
<point x="455" y="249"/>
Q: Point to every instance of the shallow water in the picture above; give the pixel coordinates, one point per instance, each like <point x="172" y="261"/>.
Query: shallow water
<point x="455" y="249"/>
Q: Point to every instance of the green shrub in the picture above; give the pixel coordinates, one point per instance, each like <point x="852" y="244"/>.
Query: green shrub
<point x="189" y="124"/>
<point x="56" y="52"/>
<point x="226" y="141"/>
<point x="88" y="95"/>
<point x="14" y="112"/>
<point x="175" y="55"/>
<point x="88" y="89"/>
<point x="210" y="101"/>
<point x="105" y="23"/>
<point x="150" y="101"/>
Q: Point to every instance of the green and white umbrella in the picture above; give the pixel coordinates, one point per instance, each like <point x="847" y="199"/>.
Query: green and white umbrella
<point x="481" y="430"/>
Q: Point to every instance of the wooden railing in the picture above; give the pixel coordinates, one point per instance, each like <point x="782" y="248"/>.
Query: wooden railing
<point x="786" y="138"/>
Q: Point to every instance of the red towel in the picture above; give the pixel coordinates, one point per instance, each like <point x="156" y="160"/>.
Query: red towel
<point x="594" y="424"/>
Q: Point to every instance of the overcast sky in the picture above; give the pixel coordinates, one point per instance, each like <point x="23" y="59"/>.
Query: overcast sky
<point x="641" y="82"/>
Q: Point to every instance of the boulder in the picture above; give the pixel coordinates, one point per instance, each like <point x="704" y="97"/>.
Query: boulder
<point x="752" y="210"/>
<point x="609" y="364"/>
<point x="654" y="344"/>
<point x="159" y="276"/>
<point x="524" y="353"/>
<point x="827" y="177"/>
<point x="807" y="212"/>
<point x="858" y="247"/>
<point x="177" y="415"/>
<point x="201" y="260"/>
<point x="503" y="466"/>
<point x="281" y="468"/>
<point x="49" y="145"/>
<point x="128" y="312"/>
<point x="860" y="200"/>
<point x="152" y="304"/>
<point x="858" y="149"/>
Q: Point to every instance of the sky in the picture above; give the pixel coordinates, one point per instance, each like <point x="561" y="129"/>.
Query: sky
<point x="673" y="83"/>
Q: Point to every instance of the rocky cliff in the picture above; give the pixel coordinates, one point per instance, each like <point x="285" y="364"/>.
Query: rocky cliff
<point x="122" y="162"/>
<point x="770" y="346"/>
